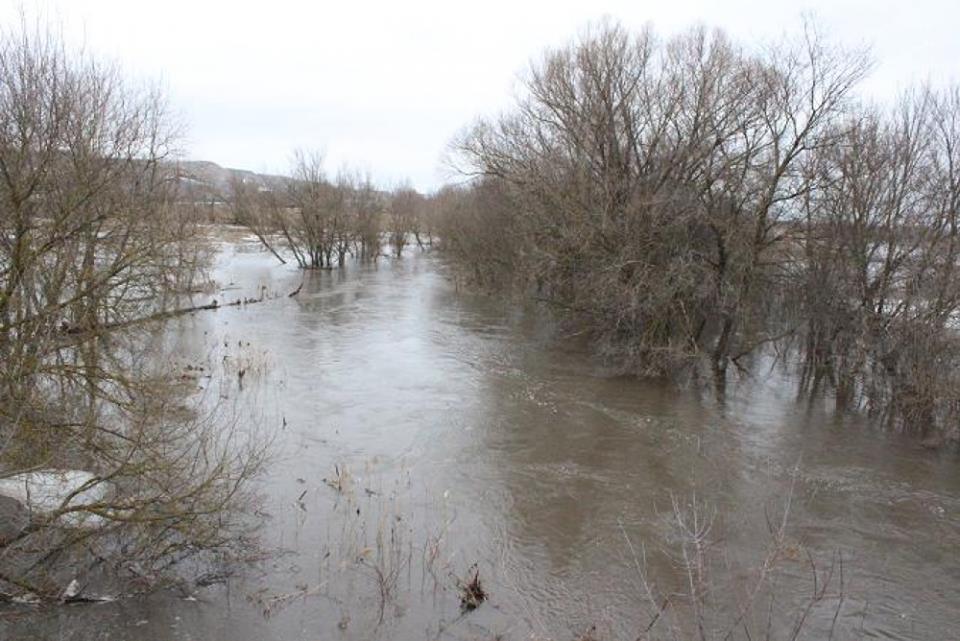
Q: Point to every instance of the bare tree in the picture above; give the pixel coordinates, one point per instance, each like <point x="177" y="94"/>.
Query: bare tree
<point x="307" y="216"/>
<point x="258" y="208"/>
<point x="89" y="243"/>
<point x="367" y="212"/>
<point x="653" y="181"/>
<point x="689" y="201"/>
<point x="405" y="207"/>
<point x="880" y="253"/>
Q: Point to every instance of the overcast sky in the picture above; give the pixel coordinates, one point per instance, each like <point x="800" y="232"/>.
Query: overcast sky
<point x="385" y="85"/>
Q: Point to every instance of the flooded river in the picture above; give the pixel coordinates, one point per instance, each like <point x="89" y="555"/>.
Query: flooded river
<point x="419" y="430"/>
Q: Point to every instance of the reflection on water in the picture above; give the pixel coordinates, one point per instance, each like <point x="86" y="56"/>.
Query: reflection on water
<point x="420" y="430"/>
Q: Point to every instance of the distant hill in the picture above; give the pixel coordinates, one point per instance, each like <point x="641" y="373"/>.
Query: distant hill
<point x="207" y="182"/>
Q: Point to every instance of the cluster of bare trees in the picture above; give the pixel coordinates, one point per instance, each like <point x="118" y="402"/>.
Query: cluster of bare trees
<point x="319" y="222"/>
<point x="878" y="293"/>
<point x="124" y="480"/>
<point x="692" y="200"/>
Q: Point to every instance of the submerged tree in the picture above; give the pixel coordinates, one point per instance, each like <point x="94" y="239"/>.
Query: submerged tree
<point x="406" y="205"/>
<point x="881" y="249"/>
<point x="90" y="245"/>
<point x="366" y="212"/>
<point x="690" y="200"/>
<point x="311" y="218"/>
<point x="654" y="180"/>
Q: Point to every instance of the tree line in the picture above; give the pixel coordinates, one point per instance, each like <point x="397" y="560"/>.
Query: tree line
<point x="694" y="203"/>
<point x="318" y="222"/>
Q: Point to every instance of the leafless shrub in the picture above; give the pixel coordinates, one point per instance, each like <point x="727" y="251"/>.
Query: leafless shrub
<point x="709" y="605"/>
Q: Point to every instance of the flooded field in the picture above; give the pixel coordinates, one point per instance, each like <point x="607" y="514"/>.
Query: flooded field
<point x="420" y="431"/>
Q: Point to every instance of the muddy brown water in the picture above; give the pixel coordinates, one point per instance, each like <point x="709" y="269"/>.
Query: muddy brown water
<point x="460" y="430"/>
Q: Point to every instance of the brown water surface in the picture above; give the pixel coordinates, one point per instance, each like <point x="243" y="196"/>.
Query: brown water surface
<point x="463" y="430"/>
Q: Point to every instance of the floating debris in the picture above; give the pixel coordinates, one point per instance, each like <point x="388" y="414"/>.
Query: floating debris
<point x="472" y="593"/>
